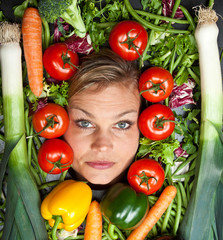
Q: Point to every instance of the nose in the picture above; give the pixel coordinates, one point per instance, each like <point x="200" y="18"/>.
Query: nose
<point x="102" y="141"/>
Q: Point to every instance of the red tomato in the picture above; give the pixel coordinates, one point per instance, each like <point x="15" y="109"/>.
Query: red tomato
<point x="156" y="84"/>
<point x="156" y="122"/>
<point x="146" y="175"/>
<point x="60" y="62"/>
<point x="55" y="156"/>
<point x="128" y="39"/>
<point x="51" y="121"/>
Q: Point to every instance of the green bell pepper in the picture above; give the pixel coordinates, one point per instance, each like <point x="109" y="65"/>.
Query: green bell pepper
<point x="123" y="207"/>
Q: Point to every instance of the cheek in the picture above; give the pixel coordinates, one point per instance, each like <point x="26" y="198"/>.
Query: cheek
<point x="75" y="141"/>
<point x="128" y="146"/>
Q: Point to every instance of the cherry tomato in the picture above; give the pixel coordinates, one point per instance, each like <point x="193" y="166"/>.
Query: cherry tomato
<point x="156" y="122"/>
<point x="128" y="39"/>
<point x="60" y="62"/>
<point x="146" y="175"/>
<point x="156" y="84"/>
<point x="55" y="156"/>
<point x="51" y="121"/>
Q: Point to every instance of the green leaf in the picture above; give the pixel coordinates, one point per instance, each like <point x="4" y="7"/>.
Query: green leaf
<point x="219" y="210"/>
<point x="20" y="9"/>
<point x="13" y="195"/>
<point x="183" y="78"/>
<point x="208" y="173"/>
<point x="159" y="150"/>
<point x="2" y="17"/>
<point x="189" y="147"/>
<point x="25" y="227"/>
<point x="9" y="146"/>
<point x="27" y="203"/>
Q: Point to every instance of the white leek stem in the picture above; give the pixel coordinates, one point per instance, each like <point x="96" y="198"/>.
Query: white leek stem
<point x="12" y="89"/>
<point x="206" y="35"/>
<point x="202" y="218"/>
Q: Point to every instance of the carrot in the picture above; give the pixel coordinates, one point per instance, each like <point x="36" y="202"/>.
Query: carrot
<point x="32" y="45"/>
<point x="154" y="214"/>
<point x="93" y="230"/>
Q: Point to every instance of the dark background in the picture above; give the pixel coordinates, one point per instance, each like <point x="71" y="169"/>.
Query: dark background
<point x="7" y="5"/>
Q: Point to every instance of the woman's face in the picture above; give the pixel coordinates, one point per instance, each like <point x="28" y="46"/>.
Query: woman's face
<point x="103" y="132"/>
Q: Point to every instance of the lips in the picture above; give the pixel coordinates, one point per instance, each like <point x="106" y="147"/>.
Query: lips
<point x="100" y="164"/>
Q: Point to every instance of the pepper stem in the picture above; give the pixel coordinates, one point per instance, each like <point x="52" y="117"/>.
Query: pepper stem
<point x="58" y="219"/>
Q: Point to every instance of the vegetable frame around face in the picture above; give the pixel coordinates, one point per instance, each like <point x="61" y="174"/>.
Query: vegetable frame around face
<point x="123" y="207"/>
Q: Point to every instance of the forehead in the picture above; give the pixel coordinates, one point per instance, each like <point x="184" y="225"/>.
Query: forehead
<point x="111" y="96"/>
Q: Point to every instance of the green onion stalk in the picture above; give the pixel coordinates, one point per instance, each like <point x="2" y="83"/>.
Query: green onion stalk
<point x="23" y="219"/>
<point x="203" y="219"/>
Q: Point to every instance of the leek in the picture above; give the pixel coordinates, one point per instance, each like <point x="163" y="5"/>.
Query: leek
<point x="204" y="216"/>
<point x="23" y="219"/>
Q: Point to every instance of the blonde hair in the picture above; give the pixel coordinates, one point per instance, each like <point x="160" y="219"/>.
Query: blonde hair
<point x="102" y="69"/>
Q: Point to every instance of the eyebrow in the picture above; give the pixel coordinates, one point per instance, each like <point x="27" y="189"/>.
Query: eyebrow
<point x="126" y="112"/>
<point x="81" y="109"/>
<point x="92" y="116"/>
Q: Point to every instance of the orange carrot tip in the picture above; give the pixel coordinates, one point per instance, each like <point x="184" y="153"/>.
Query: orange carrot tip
<point x="93" y="229"/>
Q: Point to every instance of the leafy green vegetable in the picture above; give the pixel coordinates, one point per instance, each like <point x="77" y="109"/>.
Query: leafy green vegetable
<point x="188" y="128"/>
<point x="57" y="93"/>
<point x="2" y="17"/>
<point x="175" y="52"/>
<point x="159" y="150"/>
<point x="51" y="10"/>
<point x="151" y="5"/>
<point x="20" y="9"/>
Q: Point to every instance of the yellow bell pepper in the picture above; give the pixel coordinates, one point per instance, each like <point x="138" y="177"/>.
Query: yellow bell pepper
<point x="67" y="205"/>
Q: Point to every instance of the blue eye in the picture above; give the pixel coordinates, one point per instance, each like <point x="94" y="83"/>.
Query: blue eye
<point x="84" y="124"/>
<point x="123" y="125"/>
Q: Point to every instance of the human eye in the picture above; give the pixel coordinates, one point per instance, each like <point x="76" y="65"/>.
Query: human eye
<point x="123" y="125"/>
<point x="82" y="123"/>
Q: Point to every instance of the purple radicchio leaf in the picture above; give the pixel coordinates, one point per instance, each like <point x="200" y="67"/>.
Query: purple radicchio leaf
<point x="182" y="94"/>
<point x="60" y="29"/>
<point x="79" y="45"/>
<point x="180" y="152"/>
<point x="168" y="7"/>
<point x="53" y="80"/>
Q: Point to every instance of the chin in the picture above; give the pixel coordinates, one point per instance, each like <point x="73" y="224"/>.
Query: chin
<point x="100" y="181"/>
<point x="105" y="181"/>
